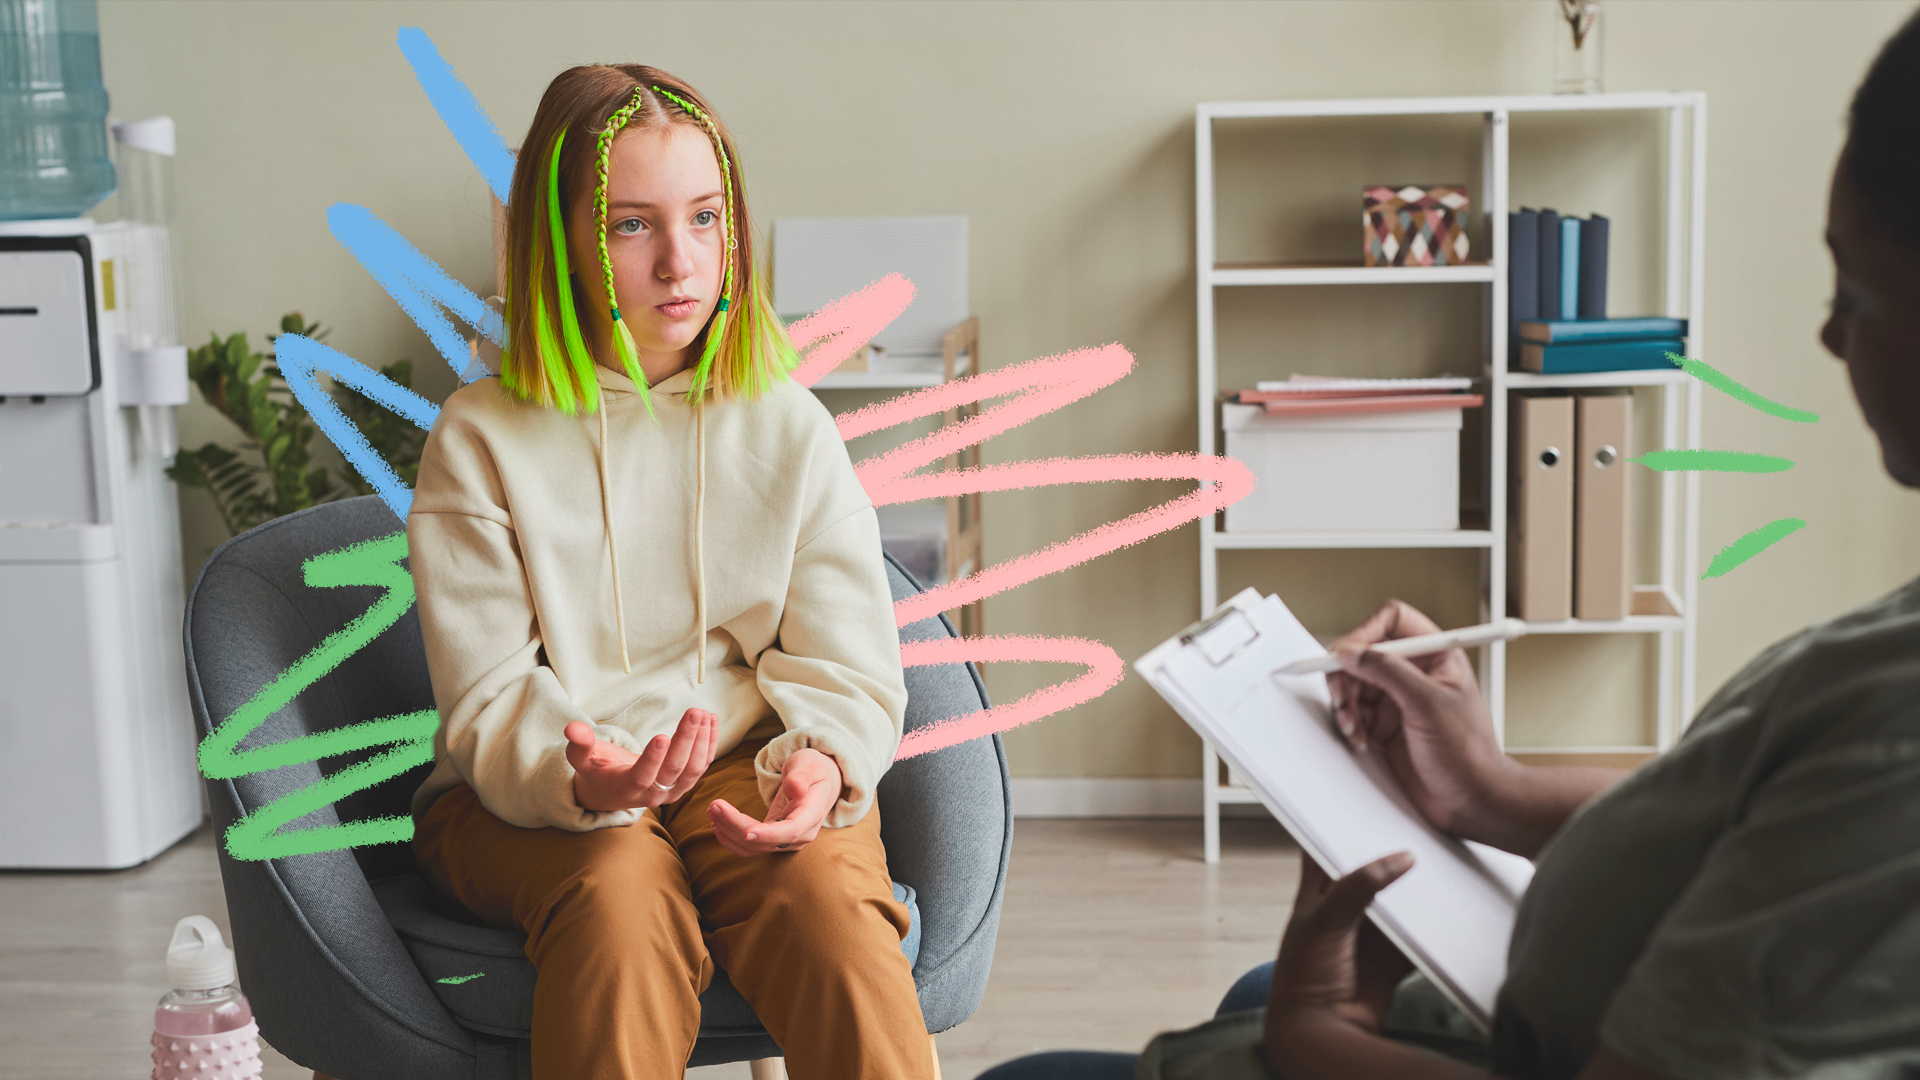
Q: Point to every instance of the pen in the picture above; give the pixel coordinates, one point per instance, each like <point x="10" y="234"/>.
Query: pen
<point x="1501" y="630"/>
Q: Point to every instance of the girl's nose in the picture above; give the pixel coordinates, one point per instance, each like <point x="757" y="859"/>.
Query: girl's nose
<point x="676" y="257"/>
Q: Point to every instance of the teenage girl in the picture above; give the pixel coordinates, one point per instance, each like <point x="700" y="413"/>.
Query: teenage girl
<point x="658" y="624"/>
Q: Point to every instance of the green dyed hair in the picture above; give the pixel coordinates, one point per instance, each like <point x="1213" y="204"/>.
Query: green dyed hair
<point x="743" y="348"/>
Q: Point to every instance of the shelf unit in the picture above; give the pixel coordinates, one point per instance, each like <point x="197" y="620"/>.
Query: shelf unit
<point x="959" y="358"/>
<point x="1669" y="607"/>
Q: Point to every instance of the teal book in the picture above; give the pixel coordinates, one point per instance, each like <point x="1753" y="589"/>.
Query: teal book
<point x="1585" y="358"/>
<point x="1564" y="331"/>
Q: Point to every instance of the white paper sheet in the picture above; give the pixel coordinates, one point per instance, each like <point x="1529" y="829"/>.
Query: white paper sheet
<point x="1452" y="914"/>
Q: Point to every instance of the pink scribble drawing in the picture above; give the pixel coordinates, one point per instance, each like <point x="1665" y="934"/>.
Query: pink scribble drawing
<point x="1034" y="389"/>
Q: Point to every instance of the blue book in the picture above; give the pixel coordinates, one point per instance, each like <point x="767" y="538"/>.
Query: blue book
<point x="1563" y="331"/>
<point x="1593" y="267"/>
<point x="1569" y="268"/>
<point x="1523" y="274"/>
<point x="1550" y="265"/>
<point x="1599" y="356"/>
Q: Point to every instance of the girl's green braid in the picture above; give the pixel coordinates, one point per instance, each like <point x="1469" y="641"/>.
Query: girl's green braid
<point x="719" y="325"/>
<point x="622" y="337"/>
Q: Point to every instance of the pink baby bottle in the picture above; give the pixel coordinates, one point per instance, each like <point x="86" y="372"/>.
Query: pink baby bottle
<point x="203" y="1029"/>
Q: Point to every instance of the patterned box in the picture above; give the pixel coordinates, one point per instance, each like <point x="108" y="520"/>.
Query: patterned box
<point x="1415" y="226"/>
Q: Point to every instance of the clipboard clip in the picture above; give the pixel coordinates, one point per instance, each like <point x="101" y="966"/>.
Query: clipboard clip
<point x="1219" y="642"/>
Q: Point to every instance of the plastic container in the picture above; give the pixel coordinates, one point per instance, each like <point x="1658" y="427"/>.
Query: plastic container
<point x="153" y="362"/>
<point x="1360" y="472"/>
<point x="203" y="1029"/>
<point x="53" y="110"/>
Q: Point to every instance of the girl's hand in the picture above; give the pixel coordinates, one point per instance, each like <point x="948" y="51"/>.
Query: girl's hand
<point x="1332" y="960"/>
<point x="809" y="786"/>
<point x="609" y="777"/>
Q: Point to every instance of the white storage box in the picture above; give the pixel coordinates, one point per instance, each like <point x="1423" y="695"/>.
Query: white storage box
<point x="1384" y="472"/>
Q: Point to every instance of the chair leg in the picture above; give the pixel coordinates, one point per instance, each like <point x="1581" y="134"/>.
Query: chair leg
<point x="318" y="1075"/>
<point x="934" y="1048"/>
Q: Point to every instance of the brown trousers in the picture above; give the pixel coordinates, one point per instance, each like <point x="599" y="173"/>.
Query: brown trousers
<point x="625" y="925"/>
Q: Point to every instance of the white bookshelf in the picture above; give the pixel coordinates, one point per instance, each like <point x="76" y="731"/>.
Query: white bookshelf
<point x="959" y="358"/>
<point x="1665" y="606"/>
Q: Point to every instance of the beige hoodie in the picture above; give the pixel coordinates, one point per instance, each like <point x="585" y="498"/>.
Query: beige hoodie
<point x="744" y="575"/>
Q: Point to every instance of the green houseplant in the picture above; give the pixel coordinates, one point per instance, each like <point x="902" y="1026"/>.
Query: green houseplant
<point x="272" y="472"/>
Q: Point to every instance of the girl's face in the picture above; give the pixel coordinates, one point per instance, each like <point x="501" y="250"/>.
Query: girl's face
<point x="668" y="243"/>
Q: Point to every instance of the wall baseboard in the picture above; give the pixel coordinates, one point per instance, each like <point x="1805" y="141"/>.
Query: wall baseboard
<point x="1114" y="797"/>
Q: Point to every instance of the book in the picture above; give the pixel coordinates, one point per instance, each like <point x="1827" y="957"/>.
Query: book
<point x="1523" y="274"/>
<point x="1573" y="359"/>
<point x="1564" y="331"/>
<point x="1321" y="385"/>
<point x="1550" y="265"/>
<point x="1593" y="267"/>
<point x="1569" y="267"/>
<point x="1452" y="914"/>
<point x="1373" y="403"/>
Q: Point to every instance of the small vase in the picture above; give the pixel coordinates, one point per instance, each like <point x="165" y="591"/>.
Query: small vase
<point x="1579" y="35"/>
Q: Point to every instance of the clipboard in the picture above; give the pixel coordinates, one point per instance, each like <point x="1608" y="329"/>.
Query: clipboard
<point x="1452" y="914"/>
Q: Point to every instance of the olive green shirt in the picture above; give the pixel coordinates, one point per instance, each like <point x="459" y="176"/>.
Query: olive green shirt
<point x="1748" y="904"/>
<point x="1745" y="906"/>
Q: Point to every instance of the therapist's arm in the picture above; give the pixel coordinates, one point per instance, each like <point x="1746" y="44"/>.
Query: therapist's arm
<point x="1426" y="717"/>
<point x="1333" y="981"/>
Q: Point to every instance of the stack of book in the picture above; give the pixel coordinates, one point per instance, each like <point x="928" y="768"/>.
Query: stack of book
<point x="1568" y="347"/>
<point x="1319" y="395"/>
<point x="1557" y="301"/>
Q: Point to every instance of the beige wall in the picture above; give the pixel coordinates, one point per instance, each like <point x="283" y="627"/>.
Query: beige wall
<point x="1064" y="131"/>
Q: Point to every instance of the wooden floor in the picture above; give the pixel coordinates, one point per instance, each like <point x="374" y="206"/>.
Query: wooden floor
<point x="1112" y="930"/>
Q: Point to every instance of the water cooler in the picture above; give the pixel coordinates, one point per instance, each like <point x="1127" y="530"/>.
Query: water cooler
<point x="96" y="741"/>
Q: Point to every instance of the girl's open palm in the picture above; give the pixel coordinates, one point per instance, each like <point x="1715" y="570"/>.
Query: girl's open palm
<point x="810" y="784"/>
<point x="610" y="777"/>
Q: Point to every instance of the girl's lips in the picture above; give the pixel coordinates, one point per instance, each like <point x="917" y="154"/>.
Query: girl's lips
<point x="678" y="311"/>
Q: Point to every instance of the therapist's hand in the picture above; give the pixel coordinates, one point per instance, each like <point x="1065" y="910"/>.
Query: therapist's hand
<point x="1334" y="963"/>
<point x="810" y="783"/>
<point x="1426" y="717"/>
<point x="610" y="777"/>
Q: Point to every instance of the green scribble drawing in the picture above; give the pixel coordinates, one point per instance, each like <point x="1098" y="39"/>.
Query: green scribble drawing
<point x="1752" y="544"/>
<point x="456" y="980"/>
<point x="1701" y="370"/>
<point x="1712" y="461"/>
<point x="1766" y="535"/>
<point x="257" y="836"/>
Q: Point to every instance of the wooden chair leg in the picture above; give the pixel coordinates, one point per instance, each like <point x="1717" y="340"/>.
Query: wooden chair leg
<point x="318" y="1075"/>
<point x="934" y="1048"/>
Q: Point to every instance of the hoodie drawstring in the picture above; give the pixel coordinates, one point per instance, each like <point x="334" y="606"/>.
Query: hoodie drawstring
<point x="699" y="540"/>
<point x="613" y="547"/>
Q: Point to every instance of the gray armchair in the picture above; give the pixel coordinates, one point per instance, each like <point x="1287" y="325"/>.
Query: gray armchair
<point x="340" y="952"/>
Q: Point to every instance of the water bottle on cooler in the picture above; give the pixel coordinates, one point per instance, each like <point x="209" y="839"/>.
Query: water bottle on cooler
<point x="53" y="110"/>
<point x="203" y="1029"/>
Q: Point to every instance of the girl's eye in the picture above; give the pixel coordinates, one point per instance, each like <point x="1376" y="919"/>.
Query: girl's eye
<point x="706" y="217"/>
<point x="621" y="226"/>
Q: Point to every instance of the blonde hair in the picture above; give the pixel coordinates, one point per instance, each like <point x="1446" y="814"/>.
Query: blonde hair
<point x="743" y="349"/>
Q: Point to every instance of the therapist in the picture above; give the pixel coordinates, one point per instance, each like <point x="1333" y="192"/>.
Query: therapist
<point x="1747" y="905"/>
